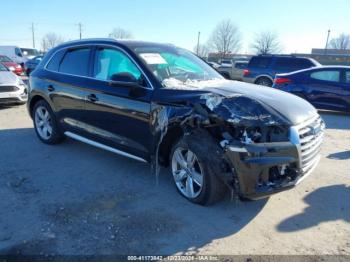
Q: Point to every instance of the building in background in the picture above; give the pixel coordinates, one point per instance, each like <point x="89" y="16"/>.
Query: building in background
<point x="329" y="56"/>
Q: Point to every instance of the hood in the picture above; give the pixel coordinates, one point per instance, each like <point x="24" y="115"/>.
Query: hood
<point x="257" y="102"/>
<point x="289" y="106"/>
<point x="8" y="78"/>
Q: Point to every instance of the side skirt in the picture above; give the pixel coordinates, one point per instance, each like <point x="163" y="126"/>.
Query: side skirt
<point x="102" y="146"/>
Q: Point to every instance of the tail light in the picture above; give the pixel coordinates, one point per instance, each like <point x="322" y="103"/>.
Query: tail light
<point x="246" y="72"/>
<point x="282" y="81"/>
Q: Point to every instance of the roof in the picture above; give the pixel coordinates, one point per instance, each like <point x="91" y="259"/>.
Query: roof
<point x="128" y="43"/>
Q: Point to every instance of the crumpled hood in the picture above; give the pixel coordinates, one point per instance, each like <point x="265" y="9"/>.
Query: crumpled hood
<point x="266" y="101"/>
<point x="8" y="78"/>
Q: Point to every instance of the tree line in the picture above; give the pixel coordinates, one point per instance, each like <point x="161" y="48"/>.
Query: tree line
<point x="225" y="39"/>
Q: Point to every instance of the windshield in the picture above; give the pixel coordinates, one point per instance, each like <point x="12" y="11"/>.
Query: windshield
<point x="175" y="66"/>
<point x="3" y="68"/>
<point x="4" y="59"/>
<point x="30" y="51"/>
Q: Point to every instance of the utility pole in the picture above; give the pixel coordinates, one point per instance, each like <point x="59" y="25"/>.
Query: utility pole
<point x="199" y="35"/>
<point x="325" y="50"/>
<point x="33" y="35"/>
<point x="80" y="29"/>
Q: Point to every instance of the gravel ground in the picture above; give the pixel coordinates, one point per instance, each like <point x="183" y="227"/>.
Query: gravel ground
<point x="76" y="199"/>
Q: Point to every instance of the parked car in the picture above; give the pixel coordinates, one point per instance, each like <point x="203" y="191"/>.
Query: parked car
<point x="31" y="64"/>
<point x="213" y="65"/>
<point x="234" y="72"/>
<point x="226" y="62"/>
<point x="30" y="53"/>
<point x="14" y="53"/>
<point x="161" y="104"/>
<point x="262" y="69"/>
<point x="12" y="88"/>
<point x="326" y="87"/>
<point x="12" y="66"/>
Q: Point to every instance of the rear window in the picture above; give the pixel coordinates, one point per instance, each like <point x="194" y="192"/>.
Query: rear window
<point x="327" y="75"/>
<point x="347" y="76"/>
<point x="54" y="62"/>
<point x="260" y="62"/>
<point x="76" y="62"/>
<point x="5" y="59"/>
<point x="303" y="63"/>
<point x="292" y="64"/>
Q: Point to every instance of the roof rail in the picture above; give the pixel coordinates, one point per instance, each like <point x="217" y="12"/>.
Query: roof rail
<point x="291" y="55"/>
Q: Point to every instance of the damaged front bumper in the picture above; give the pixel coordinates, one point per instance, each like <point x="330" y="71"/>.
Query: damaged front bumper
<point x="262" y="169"/>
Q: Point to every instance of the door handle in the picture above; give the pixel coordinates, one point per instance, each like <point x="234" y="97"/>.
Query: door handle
<point x="92" y="98"/>
<point x="50" y="88"/>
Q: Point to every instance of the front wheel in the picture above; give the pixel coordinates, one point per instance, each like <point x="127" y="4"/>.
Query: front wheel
<point x="195" y="165"/>
<point x="45" y="123"/>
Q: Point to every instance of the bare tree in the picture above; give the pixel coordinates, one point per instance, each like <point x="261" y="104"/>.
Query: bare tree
<point x="342" y="42"/>
<point x="201" y="50"/>
<point x="50" y="40"/>
<point x="120" y="33"/>
<point x="225" y="38"/>
<point x="266" y="42"/>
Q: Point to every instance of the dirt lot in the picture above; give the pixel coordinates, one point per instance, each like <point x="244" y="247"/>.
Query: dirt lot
<point x="76" y="199"/>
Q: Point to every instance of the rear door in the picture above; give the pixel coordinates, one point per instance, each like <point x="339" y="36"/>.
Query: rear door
<point x="117" y="114"/>
<point x="68" y="78"/>
<point x="326" y="90"/>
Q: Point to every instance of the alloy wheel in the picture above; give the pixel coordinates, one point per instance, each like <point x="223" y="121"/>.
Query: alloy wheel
<point x="43" y="122"/>
<point x="187" y="172"/>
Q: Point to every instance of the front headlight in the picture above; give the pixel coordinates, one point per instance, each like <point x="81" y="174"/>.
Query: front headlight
<point x="11" y="68"/>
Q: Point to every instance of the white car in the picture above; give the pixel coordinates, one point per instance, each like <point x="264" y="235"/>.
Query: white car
<point x="14" y="53"/>
<point x="12" y="89"/>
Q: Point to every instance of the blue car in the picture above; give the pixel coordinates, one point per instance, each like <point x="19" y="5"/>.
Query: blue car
<point x="31" y="64"/>
<point x="261" y="69"/>
<point x="326" y="87"/>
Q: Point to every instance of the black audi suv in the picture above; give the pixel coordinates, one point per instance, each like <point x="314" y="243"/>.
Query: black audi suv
<point x="161" y="104"/>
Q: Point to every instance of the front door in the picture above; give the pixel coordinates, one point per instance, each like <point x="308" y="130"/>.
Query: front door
<point x="118" y="114"/>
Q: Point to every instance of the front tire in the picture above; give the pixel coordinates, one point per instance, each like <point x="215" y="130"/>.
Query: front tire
<point x="195" y="163"/>
<point x="45" y="124"/>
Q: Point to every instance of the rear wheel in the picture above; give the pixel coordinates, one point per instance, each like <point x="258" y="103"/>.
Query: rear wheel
<point x="45" y="123"/>
<point x="264" y="81"/>
<point x="195" y="171"/>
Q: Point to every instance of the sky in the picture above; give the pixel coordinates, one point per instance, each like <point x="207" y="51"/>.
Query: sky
<point x="299" y="24"/>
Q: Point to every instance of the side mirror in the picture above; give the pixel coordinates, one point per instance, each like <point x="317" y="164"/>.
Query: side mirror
<point x="126" y="79"/>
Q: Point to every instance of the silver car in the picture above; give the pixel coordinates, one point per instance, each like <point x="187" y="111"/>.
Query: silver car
<point x="12" y="89"/>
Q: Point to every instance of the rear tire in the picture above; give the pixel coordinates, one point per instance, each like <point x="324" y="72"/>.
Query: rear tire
<point x="264" y="81"/>
<point x="45" y="124"/>
<point x="207" y="163"/>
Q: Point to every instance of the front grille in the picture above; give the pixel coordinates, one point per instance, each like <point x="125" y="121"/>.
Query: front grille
<point x="4" y="89"/>
<point x="310" y="138"/>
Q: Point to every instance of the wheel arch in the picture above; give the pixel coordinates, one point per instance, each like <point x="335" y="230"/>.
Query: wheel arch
<point x="263" y="76"/>
<point x="171" y="137"/>
<point x="35" y="99"/>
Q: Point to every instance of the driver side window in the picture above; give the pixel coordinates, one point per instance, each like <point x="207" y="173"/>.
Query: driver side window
<point x="111" y="62"/>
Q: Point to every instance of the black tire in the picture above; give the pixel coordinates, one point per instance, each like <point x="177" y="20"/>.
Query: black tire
<point x="56" y="136"/>
<point x="264" y="81"/>
<point x="209" y="156"/>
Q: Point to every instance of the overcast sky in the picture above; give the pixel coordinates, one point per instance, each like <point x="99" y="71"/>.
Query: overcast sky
<point x="300" y="24"/>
